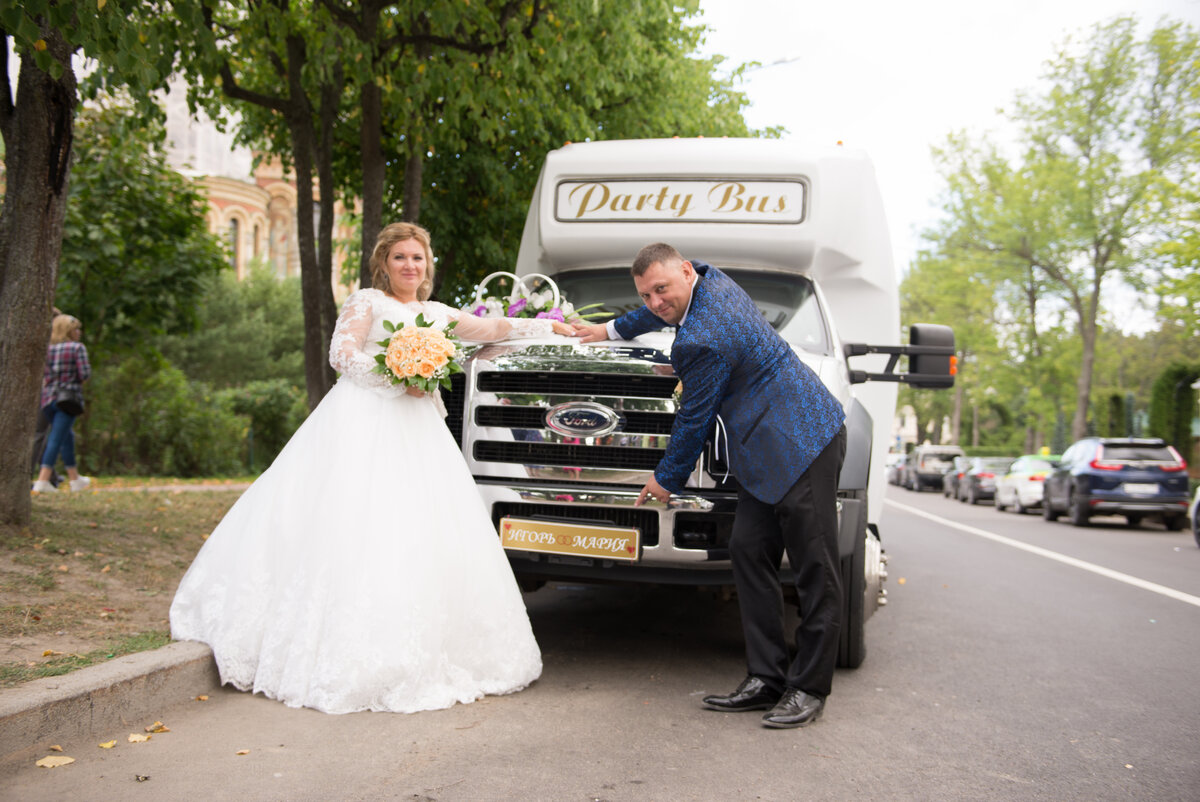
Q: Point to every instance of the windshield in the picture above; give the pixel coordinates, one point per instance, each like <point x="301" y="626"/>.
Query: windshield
<point x="786" y="300"/>
<point x="1135" y="452"/>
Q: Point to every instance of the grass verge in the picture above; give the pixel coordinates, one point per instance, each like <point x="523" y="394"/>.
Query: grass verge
<point x="92" y="577"/>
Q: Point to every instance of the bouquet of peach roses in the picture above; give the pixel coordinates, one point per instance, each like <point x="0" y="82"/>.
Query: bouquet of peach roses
<point x="421" y="356"/>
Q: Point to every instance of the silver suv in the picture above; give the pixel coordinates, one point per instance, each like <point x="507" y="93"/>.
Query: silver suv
<point x="926" y="464"/>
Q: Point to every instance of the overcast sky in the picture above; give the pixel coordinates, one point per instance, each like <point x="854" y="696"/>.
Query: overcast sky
<point x="894" y="78"/>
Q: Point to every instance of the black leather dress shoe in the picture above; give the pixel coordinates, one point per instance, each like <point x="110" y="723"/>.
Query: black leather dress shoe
<point x="794" y="709"/>
<point x="752" y="694"/>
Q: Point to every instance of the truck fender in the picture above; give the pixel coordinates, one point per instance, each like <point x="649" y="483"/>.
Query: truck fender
<point x="856" y="466"/>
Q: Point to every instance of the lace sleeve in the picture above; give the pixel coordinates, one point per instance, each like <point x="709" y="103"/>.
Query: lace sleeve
<point x="491" y="329"/>
<point x="346" y="353"/>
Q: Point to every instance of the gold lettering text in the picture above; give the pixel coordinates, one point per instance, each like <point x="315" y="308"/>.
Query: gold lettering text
<point x="585" y="203"/>
<point x="730" y="196"/>
<point x="620" y="203"/>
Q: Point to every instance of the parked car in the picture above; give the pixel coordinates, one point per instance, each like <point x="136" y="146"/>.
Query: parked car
<point x="1022" y="486"/>
<point x="1195" y="516"/>
<point x="978" y="482"/>
<point x="925" y="465"/>
<point x="895" y="467"/>
<point x="953" y="474"/>
<point x="1123" y="476"/>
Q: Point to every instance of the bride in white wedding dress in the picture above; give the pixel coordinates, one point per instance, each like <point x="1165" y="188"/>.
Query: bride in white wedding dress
<point x="361" y="571"/>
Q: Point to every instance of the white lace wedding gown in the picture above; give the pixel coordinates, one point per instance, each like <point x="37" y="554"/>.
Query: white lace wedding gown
<point x="361" y="571"/>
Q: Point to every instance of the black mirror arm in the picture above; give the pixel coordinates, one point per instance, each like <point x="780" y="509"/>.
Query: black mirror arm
<point x="889" y="373"/>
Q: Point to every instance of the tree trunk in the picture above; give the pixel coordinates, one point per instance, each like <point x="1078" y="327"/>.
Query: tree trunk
<point x="330" y="93"/>
<point x="37" y="139"/>
<point x="374" y="175"/>
<point x="413" y="168"/>
<point x="316" y="290"/>
<point x="956" y="413"/>
<point x="1087" y="363"/>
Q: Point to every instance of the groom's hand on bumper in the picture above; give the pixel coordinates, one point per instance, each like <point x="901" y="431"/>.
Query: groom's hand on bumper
<point x="652" y="488"/>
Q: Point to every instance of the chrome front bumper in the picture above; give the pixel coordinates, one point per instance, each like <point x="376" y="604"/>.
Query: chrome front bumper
<point x="611" y="506"/>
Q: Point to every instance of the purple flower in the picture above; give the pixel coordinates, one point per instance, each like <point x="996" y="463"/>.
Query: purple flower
<point x="553" y="314"/>
<point x="514" y="309"/>
<point x="480" y="310"/>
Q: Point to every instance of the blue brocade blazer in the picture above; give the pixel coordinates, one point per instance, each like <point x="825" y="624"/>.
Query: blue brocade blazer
<point x="777" y="414"/>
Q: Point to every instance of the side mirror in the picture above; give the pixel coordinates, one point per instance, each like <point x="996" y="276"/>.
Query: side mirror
<point x="931" y="358"/>
<point x="929" y="364"/>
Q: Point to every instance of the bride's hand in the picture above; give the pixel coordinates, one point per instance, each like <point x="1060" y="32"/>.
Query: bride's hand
<point x="415" y="391"/>
<point x="563" y="328"/>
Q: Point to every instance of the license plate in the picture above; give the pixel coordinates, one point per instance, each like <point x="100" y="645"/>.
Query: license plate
<point x="1141" y="490"/>
<point x="581" y="540"/>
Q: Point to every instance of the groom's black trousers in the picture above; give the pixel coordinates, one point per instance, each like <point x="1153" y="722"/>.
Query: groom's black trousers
<point x="804" y="525"/>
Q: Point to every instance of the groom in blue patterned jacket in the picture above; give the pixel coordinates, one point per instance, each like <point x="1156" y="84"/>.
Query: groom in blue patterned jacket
<point x="785" y="444"/>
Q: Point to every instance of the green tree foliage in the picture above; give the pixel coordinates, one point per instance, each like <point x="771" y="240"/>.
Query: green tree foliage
<point x="145" y="417"/>
<point x="1102" y="176"/>
<point x="607" y="73"/>
<point x="1173" y="405"/>
<point x="249" y="330"/>
<point x="1179" y="291"/>
<point x="250" y="346"/>
<point x="223" y="399"/>
<point x="136" y="250"/>
<point x="283" y="64"/>
<point x="274" y="408"/>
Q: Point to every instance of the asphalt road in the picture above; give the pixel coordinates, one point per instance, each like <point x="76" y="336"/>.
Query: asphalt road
<point x="996" y="672"/>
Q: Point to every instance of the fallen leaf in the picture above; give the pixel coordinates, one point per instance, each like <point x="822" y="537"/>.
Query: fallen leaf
<point x="901" y="581"/>
<point x="56" y="748"/>
<point x="243" y="751"/>
<point x="202" y="698"/>
<point x="141" y="777"/>
<point x="64" y="568"/>
<point x="54" y="761"/>
<point x="108" y="744"/>
<point x="158" y="726"/>
<point x="80" y="554"/>
<point x="138" y="738"/>
<point x="49" y="652"/>
<point x="106" y="569"/>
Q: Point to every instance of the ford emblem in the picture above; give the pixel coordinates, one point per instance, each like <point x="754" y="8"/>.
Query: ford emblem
<point x="582" y="419"/>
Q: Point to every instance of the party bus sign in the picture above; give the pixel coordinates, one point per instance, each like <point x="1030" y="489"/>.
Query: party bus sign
<point x="670" y="201"/>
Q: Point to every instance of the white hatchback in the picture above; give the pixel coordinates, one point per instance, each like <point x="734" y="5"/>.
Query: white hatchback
<point x="1021" y="488"/>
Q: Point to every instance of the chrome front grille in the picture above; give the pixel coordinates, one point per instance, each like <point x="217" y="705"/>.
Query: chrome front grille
<point x="511" y="389"/>
<point x="568" y="454"/>
<point x="512" y="417"/>
<point x="576" y="385"/>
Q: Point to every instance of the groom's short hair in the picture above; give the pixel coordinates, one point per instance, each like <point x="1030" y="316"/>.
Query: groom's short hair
<point x="655" y="253"/>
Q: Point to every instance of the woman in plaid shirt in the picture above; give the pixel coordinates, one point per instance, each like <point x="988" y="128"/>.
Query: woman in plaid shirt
<point x="67" y="366"/>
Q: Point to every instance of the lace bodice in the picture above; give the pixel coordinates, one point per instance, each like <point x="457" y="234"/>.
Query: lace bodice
<point x="359" y="329"/>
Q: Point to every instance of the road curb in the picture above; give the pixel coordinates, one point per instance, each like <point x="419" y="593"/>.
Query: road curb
<point x="100" y="699"/>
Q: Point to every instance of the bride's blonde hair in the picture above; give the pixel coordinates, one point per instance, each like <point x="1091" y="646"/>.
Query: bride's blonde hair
<point x="398" y="232"/>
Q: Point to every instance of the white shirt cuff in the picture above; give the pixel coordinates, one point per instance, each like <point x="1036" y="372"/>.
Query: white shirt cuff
<point x="611" y="327"/>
